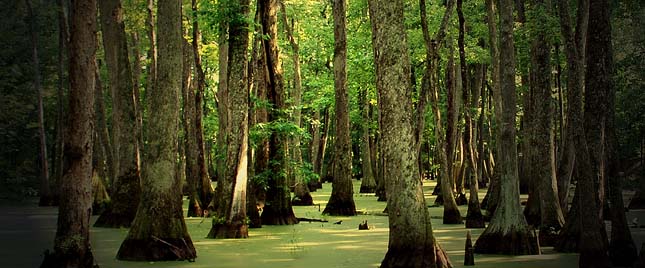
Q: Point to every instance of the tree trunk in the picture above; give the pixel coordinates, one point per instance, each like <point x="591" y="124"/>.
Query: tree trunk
<point x="341" y="201"/>
<point x="411" y="242"/>
<point x="542" y="140"/>
<point x="368" y="182"/>
<point x="277" y="209"/>
<point x="508" y="232"/>
<point x="451" y="213"/>
<point x="222" y="106"/>
<point x="230" y="218"/>
<point x="72" y="242"/>
<point x="302" y="196"/>
<point x="256" y="192"/>
<point x="205" y="190"/>
<point x="57" y="159"/>
<point x="600" y="94"/>
<point x="136" y="77"/>
<point x="158" y="231"/>
<point x="45" y="193"/>
<point x="193" y="180"/>
<point x="126" y="189"/>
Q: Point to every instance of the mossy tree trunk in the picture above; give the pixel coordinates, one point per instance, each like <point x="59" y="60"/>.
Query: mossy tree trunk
<point x="277" y="209"/>
<point x="508" y="232"/>
<point x="229" y="220"/>
<point x="341" y="201"/>
<point x="158" y="231"/>
<point x="411" y="242"/>
<point x="72" y="242"/>
<point x="126" y="189"/>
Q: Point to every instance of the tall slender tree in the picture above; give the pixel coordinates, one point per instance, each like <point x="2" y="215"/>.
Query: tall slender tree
<point x="277" y="208"/>
<point x="72" y="242"/>
<point x="508" y="232"/>
<point x="158" y="231"/>
<point x="341" y="201"/>
<point x="126" y="189"/>
<point x="411" y="242"/>
<point x="45" y="191"/>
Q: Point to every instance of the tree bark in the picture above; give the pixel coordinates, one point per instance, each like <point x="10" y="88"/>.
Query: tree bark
<point x="341" y="201"/>
<point x="72" y="242"/>
<point x="158" y="231"/>
<point x="508" y="232"/>
<point x="205" y="189"/>
<point x="193" y="180"/>
<point x="277" y="209"/>
<point x="600" y="94"/>
<point x="126" y="189"/>
<point x="230" y="218"/>
<point x="411" y="242"/>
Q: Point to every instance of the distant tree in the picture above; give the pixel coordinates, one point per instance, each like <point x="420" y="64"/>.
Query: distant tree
<point x="72" y="242"/>
<point x="411" y="242"/>
<point x="158" y="232"/>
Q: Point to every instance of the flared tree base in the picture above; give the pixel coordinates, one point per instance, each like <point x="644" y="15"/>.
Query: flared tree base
<point x="461" y="199"/>
<point x="304" y="200"/>
<point x="157" y="249"/>
<point x="452" y="216"/>
<point x="514" y="242"/>
<point x="223" y="231"/>
<point x="314" y="185"/>
<point x="622" y="253"/>
<point x="415" y="258"/>
<point x="548" y="236"/>
<point x="55" y="260"/>
<point x="340" y="207"/>
<point x="275" y="216"/>
<point x="638" y="202"/>
<point x="109" y="219"/>
<point x="99" y="208"/>
<point x="438" y="201"/>
<point x="367" y="189"/>
<point x="475" y="219"/>
<point x="194" y="209"/>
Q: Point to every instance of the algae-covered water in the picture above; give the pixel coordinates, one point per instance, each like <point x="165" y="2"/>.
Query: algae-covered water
<point x="27" y="230"/>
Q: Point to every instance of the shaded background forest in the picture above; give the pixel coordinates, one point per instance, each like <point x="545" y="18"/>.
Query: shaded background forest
<point x="313" y="28"/>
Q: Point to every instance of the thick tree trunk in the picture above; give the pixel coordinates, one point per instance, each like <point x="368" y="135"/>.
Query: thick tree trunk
<point x="222" y="106"/>
<point x="159" y="232"/>
<point x="126" y="187"/>
<point x="72" y="242"/>
<point x="600" y="94"/>
<point x="542" y="140"/>
<point x="508" y="232"/>
<point x="411" y="243"/>
<point x="230" y="218"/>
<point x="341" y="202"/>
<point x="277" y="209"/>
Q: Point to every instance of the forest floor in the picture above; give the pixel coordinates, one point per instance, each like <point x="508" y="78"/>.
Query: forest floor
<point x="27" y="230"/>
